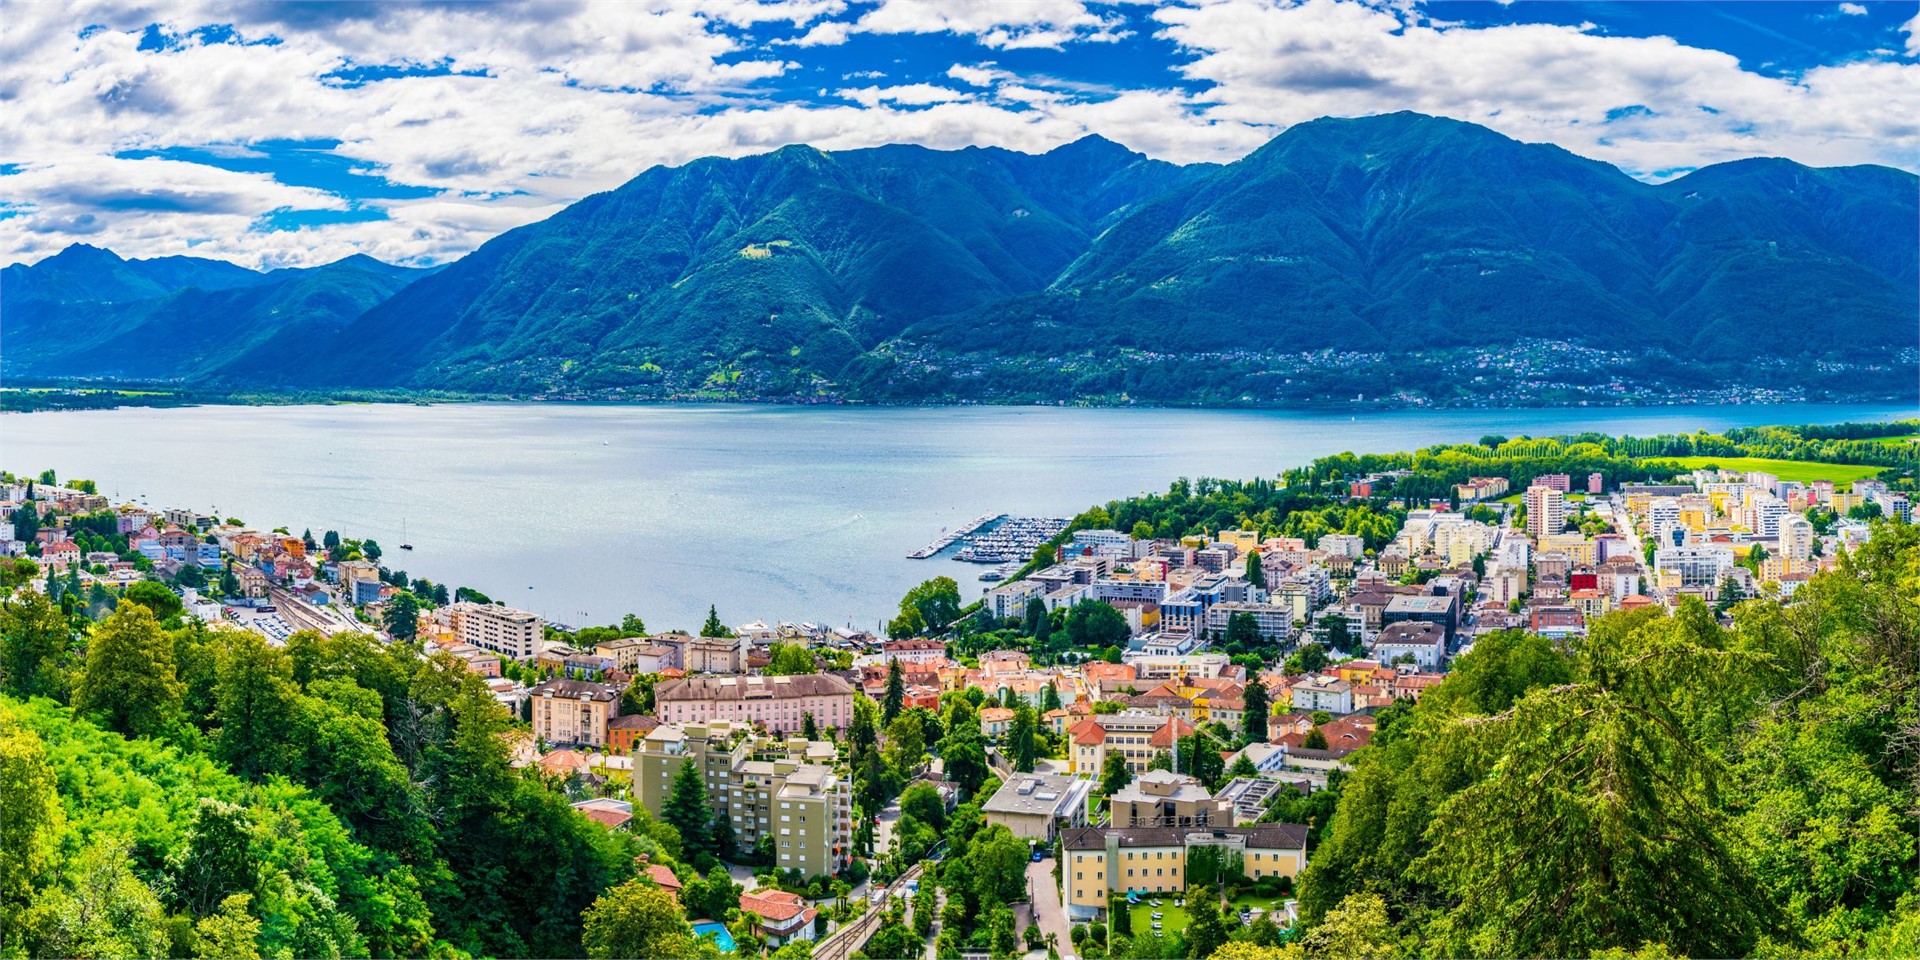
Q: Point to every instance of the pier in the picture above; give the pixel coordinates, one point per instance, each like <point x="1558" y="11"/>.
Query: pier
<point x="953" y="536"/>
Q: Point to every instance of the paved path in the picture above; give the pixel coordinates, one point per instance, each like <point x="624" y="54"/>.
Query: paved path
<point x="1047" y="911"/>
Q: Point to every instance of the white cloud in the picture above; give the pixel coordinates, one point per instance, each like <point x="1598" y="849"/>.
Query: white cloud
<point x="548" y="102"/>
<point x="909" y="95"/>
<point x="1645" y="104"/>
<point x="1853" y="10"/>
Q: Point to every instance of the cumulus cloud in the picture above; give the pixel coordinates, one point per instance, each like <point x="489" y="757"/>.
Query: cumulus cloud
<point x="1853" y="10"/>
<point x="494" y="115"/>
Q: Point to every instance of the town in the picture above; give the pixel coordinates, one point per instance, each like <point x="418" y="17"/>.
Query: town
<point x="1133" y="747"/>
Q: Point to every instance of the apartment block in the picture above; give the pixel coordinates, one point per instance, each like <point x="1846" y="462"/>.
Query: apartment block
<point x="1100" y="862"/>
<point x="574" y="712"/>
<point x="785" y="790"/>
<point x="778" y="703"/>
<point x="1546" y="510"/>
<point x="511" y="633"/>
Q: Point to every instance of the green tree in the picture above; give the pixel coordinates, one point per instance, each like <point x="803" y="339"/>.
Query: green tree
<point x="370" y="550"/>
<point x="922" y="801"/>
<point x="1036" y="618"/>
<point x="231" y="933"/>
<point x="713" y="895"/>
<point x="713" y="627"/>
<point x="808" y="727"/>
<point x="403" y="617"/>
<point x="1316" y="739"/>
<point x="636" y="919"/>
<point x="1243" y="632"/>
<point x="35" y="647"/>
<point x="1242" y="767"/>
<point x="929" y="608"/>
<point x="1096" y="623"/>
<point x="688" y="809"/>
<point x="32" y="823"/>
<point x="1255" y="575"/>
<point x="1257" y="708"/>
<point x="101" y="909"/>
<point x="1049" y="699"/>
<point x="1021" y="736"/>
<point x="1205" y="931"/>
<point x="906" y="742"/>
<point x="896" y="695"/>
<point x="1358" y="927"/>
<point x="127" y="683"/>
<point x="218" y="860"/>
<point x="789" y="659"/>
<point x="1310" y="658"/>
<point x="1114" y="773"/>
<point x="164" y="603"/>
<point x="254" y="699"/>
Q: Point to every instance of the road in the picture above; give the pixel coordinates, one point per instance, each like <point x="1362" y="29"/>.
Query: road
<point x="1047" y="911"/>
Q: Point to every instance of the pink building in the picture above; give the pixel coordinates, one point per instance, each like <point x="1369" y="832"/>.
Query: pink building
<point x="777" y="702"/>
<point x="1554" y="481"/>
<point x="1596" y="483"/>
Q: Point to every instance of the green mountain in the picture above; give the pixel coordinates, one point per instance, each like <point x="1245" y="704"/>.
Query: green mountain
<point x="231" y="331"/>
<point x="1372" y="255"/>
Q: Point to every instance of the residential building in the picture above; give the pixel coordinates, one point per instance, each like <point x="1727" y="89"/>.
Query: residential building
<point x="1036" y="805"/>
<point x="1273" y="623"/>
<point x="783" y="917"/>
<point x="1137" y="734"/>
<point x="626" y="732"/>
<point x="574" y="712"/>
<point x="1162" y="798"/>
<point x="778" y="703"/>
<point x="1099" y="862"/>
<point x="765" y="787"/>
<point x="1426" y="643"/>
<point x="1546" y="511"/>
<point x="1443" y="611"/>
<point x="1323" y="693"/>
<point x="514" y="634"/>
<point x="1796" y="536"/>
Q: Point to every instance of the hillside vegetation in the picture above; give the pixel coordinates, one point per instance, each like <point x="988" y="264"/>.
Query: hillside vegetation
<point x="1372" y="255"/>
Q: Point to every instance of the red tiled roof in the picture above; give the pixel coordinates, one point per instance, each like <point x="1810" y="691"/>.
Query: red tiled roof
<point x="1088" y="732"/>
<point x="611" y="819"/>
<point x="775" y="906"/>
<point x="664" y="877"/>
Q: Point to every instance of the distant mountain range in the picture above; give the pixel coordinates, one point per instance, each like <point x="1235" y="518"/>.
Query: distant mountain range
<point x="1403" y="250"/>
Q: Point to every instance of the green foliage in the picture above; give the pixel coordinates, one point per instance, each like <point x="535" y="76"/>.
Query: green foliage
<point x="1663" y="785"/>
<point x="637" y="919"/>
<point x="928" y="608"/>
<point x="36" y="647"/>
<point x="688" y="810"/>
<point x="1114" y="773"/>
<point x="127" y="682"/>
<point x="1096" y="623"/>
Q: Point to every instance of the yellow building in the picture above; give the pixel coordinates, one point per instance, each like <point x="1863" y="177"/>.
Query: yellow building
<point x="1103" y="861"/>
<point x="1242" y="540"/>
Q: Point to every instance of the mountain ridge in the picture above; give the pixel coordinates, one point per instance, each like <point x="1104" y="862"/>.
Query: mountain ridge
<point x="900" y="271"/>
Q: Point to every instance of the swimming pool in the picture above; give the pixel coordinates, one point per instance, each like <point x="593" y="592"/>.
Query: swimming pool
<point x="719" y="932"/>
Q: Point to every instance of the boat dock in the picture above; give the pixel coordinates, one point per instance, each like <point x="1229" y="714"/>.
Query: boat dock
<point x="953" y="536"/>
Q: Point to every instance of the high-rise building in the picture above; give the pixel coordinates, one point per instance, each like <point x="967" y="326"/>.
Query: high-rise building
<point x="1796" y="536"/>
<point x="502" y="630"/>
<point x="1546" y="511"/>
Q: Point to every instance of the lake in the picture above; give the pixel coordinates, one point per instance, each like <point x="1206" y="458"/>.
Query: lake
<point x="583" y="512"/>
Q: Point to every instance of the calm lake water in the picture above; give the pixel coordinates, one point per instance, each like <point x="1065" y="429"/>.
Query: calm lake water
<point x="584" y="512"/>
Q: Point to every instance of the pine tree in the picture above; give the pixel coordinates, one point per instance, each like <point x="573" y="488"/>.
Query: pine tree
<point x="1255" y="574"/>
<point x="896" y="699"/>
<point x="1258" y="708"/>
<point x="713" y="626"/>
<point x="808" y="728"/>
<point x="1049" y="699"/>
<point x="688" y="810"/>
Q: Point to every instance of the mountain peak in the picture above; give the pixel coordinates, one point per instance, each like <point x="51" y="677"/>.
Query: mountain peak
<point x="1091" y="145"/>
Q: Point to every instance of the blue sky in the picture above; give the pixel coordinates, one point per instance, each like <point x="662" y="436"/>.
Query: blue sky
<point x="281" y="134"/>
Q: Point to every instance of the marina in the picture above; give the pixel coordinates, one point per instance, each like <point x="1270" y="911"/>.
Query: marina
<point x="949" y="538"/>
<point x="1012" y="540"/>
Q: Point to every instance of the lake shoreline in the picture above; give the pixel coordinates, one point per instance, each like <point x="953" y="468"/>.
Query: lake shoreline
<point x="45" y="399"/>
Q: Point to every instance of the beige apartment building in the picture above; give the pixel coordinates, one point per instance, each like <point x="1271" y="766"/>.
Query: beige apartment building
<point x="1138" y="734"/>
<point x="574" y="712"/>
<point x="778" y="703"/>
<point x="1161" y="798"/>
<point x="511" y="633"/>
<point x="1102" y="861"/>
<point x="786" y="790"/>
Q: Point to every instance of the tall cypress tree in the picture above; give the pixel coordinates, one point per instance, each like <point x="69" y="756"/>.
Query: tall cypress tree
<point x="1254" y="721"/>
<point x="896" y="692"/>
<point x="688" y="809"/>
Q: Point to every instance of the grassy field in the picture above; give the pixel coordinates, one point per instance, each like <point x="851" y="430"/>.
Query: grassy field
<point x="1904" y="440"/>
<point x="1174" y="918"/>
<point x="1796" y="470"/>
